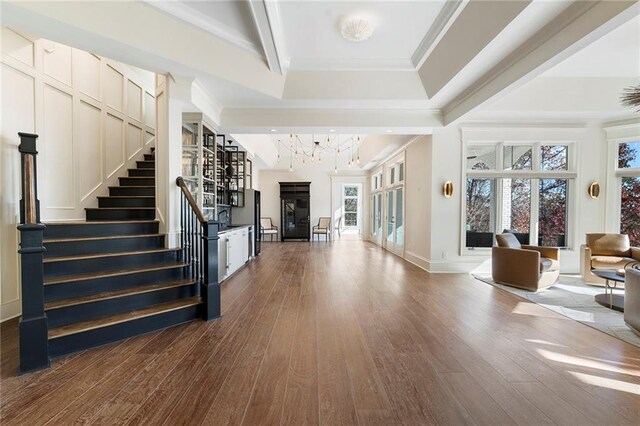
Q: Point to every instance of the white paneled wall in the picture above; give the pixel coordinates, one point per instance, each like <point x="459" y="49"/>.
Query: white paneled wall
<point x="94" y="117"/>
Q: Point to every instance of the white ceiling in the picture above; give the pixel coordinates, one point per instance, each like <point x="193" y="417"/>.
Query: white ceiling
<point x="313" y="39"/>
<point x="616" y="54"/>
<point x="283" y="63"/>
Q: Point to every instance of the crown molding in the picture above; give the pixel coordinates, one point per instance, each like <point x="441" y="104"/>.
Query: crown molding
<point x="312" y="64"/>
<point x="445" y="18"/>
<point x="219" y="29"/>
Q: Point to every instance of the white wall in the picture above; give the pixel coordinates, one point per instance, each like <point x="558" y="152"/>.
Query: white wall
<point x="321" y="191"/>
<point x="418" y="190"/>
<point x="94" y="116"/>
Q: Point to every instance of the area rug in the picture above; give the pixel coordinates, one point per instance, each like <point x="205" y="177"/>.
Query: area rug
<point x="571" y="297"/>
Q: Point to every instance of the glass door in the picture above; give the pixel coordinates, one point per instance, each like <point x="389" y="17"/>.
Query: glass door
<point x="394" y="236"/>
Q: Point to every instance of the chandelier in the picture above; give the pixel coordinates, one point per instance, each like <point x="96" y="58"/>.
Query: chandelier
<point x="329" y="147"/>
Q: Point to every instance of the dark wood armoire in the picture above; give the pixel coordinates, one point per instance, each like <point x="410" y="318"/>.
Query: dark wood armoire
<point x="295" y="211"/>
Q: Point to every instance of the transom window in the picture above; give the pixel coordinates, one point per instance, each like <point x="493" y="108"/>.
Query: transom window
<point x="522" y="188"/>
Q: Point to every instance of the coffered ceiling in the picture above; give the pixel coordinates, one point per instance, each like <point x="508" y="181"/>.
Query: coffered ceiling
<point x="285" y="64"/>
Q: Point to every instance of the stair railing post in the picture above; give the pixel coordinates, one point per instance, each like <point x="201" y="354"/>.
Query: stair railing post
<point x="34" y="341"/>
<point x="210" y="291"/>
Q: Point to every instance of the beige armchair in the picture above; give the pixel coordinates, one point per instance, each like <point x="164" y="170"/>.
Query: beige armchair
<point x="268" y="228"/>
<point x="528" y="267"/>
<point x="323" y="228"/>
<point x="632" y="299"/>
<point x="605" y="251"/>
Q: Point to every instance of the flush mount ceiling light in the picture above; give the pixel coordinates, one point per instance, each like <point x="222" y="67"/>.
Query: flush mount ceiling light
<point x="356" y="28"/>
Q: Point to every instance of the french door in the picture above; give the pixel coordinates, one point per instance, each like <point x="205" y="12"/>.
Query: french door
<point x="376" y="218"/>
<point x="394" y="213"/>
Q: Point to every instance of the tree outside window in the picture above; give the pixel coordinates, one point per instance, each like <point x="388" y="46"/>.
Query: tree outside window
<point x="629" y="158"/>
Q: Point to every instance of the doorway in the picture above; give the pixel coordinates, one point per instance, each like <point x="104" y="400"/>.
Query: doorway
<point x="394" y="232"/>
<point x="351" y="205"/>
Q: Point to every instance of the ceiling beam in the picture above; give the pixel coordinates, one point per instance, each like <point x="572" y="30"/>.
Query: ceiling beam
<point x="319" y="120"/>
<point x="576" y="27"/>
<point x="474" y="28"/>
<point x="446" y="17"/>
<point x="141" y="35"/>
<point x="267" y="19"/>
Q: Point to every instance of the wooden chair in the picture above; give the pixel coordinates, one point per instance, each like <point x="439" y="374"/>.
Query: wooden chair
<point x="323" y="228"/>
<point x="268" y="228"/>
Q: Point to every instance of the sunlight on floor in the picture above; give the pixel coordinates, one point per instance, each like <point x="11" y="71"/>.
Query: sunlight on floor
<point x="588" y="363"/>
<point x="524" y="308"/>
<point x="544" y="342"/>
<point x="603" y="382"/>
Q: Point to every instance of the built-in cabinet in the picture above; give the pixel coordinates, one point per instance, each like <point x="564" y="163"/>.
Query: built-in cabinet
<point x="199" y="161"/>
<point x="234" y="250"/>
<point x="230" y="172"/>
<point x="295" y="211"/>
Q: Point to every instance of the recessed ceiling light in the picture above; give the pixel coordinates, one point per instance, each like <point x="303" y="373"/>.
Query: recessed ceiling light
<point x="331" y="130"/>
<point x="273" y="130"/>
<point x="389" y="131"/>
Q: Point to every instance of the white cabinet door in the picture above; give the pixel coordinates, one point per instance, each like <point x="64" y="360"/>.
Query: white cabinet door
<point x="245" y="245"/>
<point x="222" y="256"/>
<point x="236" y="248"/>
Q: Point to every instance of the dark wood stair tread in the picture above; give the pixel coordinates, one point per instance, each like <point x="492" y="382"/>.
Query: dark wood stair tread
<point x="57" y="304"/>
<point x="120" y="208"/>
<point x="83" y="326"/>
<point x="99" y="222"/>
<point x="97" y="275"/>
<point x="99" y="255"/>
<point x="134" y="186"/>
<point x="110" y="237"/>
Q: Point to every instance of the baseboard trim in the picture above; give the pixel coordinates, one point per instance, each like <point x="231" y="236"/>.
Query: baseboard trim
<point x="419" y="261"/>
<point x="458" y="266"/>
<point x="11" y="310"/>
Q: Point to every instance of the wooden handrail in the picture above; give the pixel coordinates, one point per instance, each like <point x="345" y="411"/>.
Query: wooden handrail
<point x="192" y="202"/>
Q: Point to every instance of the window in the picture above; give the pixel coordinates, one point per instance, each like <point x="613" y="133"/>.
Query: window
<point x="519" y="157"/>
<point x="629" y="174"/>
<point x="630" y="209"/>
<point x="249" y="174"/>
<point x="552" y="216"/>
<point x="350" y="205"/>
<point x="522" y="188"/>
<point x="396" y="173"/>
<point x="480" y="212"/>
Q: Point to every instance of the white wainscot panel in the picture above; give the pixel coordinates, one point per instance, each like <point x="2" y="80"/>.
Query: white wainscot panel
<point x="149" y="110"/>
<point x="18" y="103"/>
<point x="57" y="61"/>
<point x="113" y="88"/>
<point x="57" y="142"/>
<point x="148" y="137"/>
<point x="17" y="116"/>
<point x="88" y="147"/>
<point x="134" y="140"/>
<point x="16" y="46"/>
<point x="86" y="73"/>
<point x="114" y="144"/>
<point x="134" y="100"/>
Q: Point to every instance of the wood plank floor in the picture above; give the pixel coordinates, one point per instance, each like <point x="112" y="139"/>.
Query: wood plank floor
<point x="341" y="333"/>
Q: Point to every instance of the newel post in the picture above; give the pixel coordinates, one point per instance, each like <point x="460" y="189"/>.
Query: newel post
<point x="34" y="343"/>
<point x="210" y="290"/>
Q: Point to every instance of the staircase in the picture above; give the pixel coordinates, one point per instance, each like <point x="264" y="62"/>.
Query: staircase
<point x="111" y="277"/>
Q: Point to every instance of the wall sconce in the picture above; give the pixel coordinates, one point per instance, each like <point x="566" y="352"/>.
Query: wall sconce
<point x="594" y="190"/>
<point x="447" y="189"/>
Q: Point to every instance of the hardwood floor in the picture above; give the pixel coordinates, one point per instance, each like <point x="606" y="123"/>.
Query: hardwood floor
<point x="341" y="333"/>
